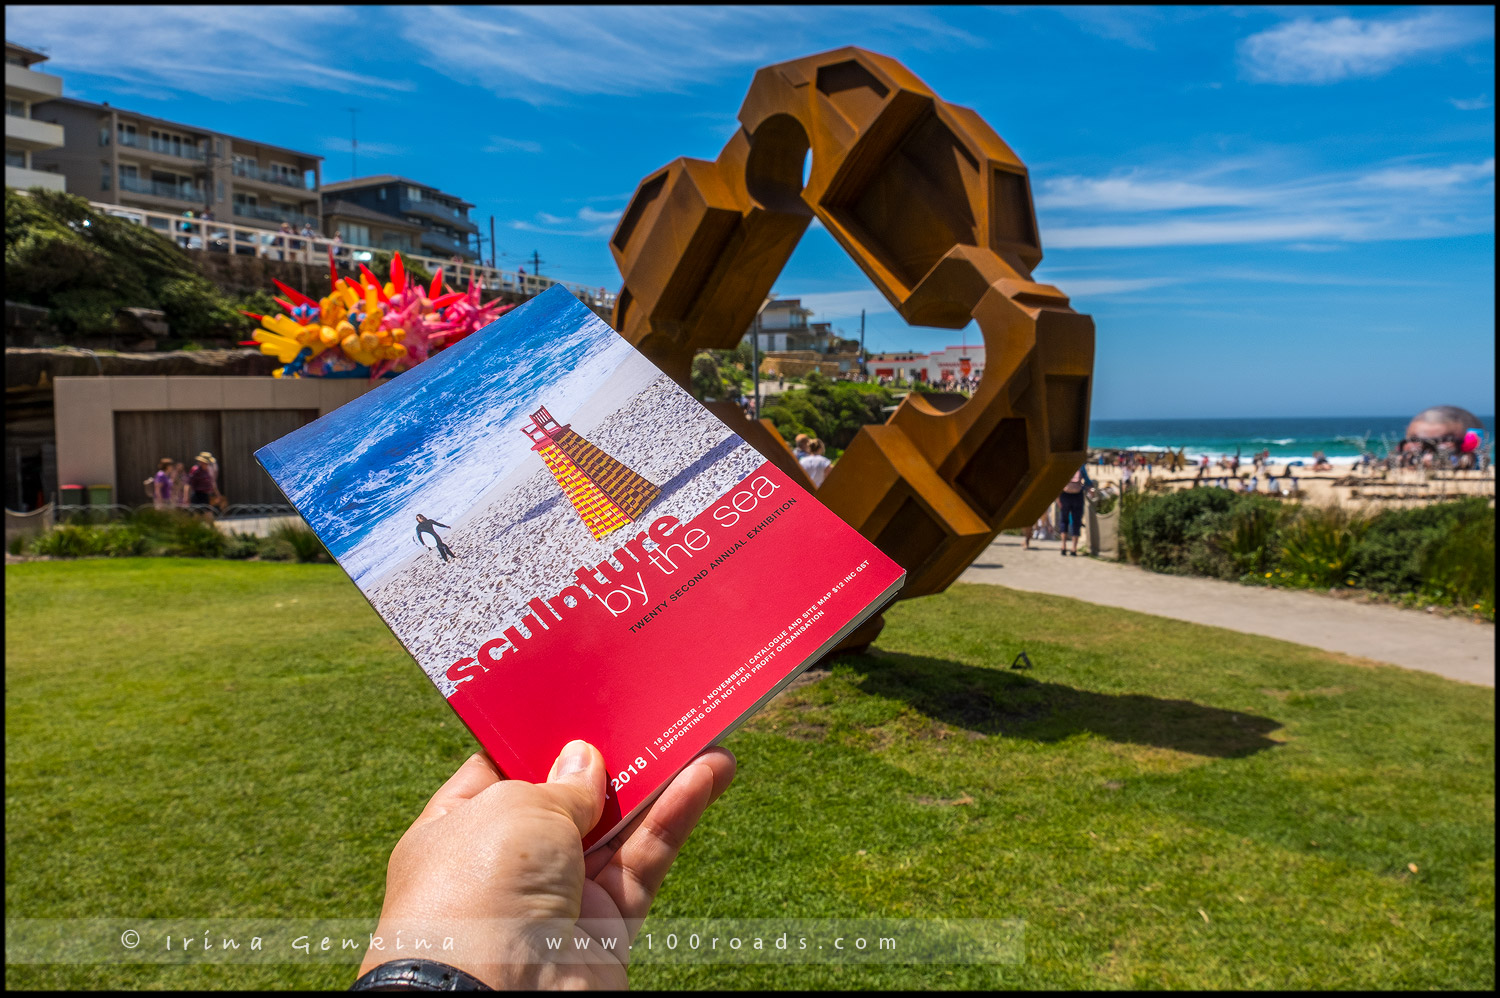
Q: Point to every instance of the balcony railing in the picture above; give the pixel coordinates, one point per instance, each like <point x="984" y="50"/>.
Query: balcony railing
<point x="136" y="141"/>
<point x="253" y="172"/>
<point x="162" y="189"/>
<point x="434" y="209"/>
<point x="293" y="218"/>
<point x="226" y="237"/>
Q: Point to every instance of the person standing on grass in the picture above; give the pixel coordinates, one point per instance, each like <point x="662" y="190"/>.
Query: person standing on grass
<point x="814" y="463"/>
<point x="1071" y="501"/>
<point x="161" y="492"/>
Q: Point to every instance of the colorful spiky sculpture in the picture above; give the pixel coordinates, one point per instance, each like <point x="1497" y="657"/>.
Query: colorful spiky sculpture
<point x="366" y="327"/>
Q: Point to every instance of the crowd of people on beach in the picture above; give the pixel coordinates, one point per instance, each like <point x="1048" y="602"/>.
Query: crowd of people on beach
<point x="176" y="487"/>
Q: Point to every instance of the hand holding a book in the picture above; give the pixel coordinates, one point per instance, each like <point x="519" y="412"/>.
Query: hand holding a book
<point x="497" y="866"/>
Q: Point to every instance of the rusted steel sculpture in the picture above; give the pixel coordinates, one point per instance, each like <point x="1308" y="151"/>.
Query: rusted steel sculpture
<point x="937" y="210"/>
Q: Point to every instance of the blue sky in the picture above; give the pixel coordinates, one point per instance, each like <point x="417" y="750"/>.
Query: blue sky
<point x="1268" y="211"/>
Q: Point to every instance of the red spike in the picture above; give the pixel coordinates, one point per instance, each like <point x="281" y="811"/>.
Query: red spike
<point x="294" y="294"/>
<point x="283" y="303"/>
<point x="444" y="301"/>
<point x="252" y="315"/>
<point x="249" y="343"/>
<point x="372" y="279"/>
<point x="437" y="284"/>
<point x="398" y="273"/>
<point x="333" y="271"/>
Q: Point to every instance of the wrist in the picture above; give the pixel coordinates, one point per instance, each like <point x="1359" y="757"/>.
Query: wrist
<point x="415" y="974"/>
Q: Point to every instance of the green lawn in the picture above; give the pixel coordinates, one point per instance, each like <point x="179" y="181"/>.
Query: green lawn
<point x="1166" y="805"/>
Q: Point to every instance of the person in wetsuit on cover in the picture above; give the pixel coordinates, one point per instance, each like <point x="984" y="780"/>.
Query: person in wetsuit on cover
<point x="426" y="526"/>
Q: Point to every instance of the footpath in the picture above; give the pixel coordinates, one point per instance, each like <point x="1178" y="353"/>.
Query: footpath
<point x="1449" y="646"/>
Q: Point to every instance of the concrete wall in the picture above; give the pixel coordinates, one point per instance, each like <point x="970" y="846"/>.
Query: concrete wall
<point x="84" y="409"/>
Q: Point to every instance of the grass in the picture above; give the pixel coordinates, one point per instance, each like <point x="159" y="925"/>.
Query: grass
<point x="1165" y="804"/>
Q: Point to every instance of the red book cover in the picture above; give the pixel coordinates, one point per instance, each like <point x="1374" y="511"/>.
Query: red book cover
<point x="570" y="546"/>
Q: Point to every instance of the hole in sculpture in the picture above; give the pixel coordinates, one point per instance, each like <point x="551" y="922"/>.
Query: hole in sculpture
<point x="778" y="165"/>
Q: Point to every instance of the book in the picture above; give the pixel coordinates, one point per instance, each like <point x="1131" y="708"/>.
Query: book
<point x="571" y="546"/>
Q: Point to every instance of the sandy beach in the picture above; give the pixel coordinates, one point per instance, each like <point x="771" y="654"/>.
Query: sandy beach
<point x="523" y="538"/>
<point x="1345" y="485"/>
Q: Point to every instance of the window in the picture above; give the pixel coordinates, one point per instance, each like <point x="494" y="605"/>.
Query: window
<point x="355" y="233"/>
<point x="242" y="198"/>
<point x="413" y="194"/>
<point x="382" y="194"/>
<point x="128" y="136"/>
<point x="16" y="108"/>
<point x="104" y="135"/>
<point x="128" y="171"/>
<point x="219" y="191"/>
<point x="104" y="177"/>
<point x="15" y="157"/>
<point x="219" y="148"/>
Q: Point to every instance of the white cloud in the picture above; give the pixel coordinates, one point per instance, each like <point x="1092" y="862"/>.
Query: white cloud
<point x="541" y="54"/>
<point x="225" y="53"/>
<point x="1470" y="103"/>
<point x="596" y="223"/>
<point x="499" y="143"/>
<point x="1430" y="177"/>
<point x="1310" y="51"/>
<point x="333" y="144"/>
<point x="1264" y="203"/>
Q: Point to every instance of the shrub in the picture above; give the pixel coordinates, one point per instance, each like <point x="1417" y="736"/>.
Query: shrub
<point x="1460" y="568"/>
<point x="121" y="540"/>
<point x="832" y="411"/>
<point x="1319" y="544"/>
<point x="1391" y="558"/>
<point x="194" y="538"/>
<point x="276" y="549"/>
<point x="241" y="546"/>
<point x="1251" y="541"/>
<point x="70" y="540"/>
<point x="1169" y="533"/>
<point x="303" y="542"/>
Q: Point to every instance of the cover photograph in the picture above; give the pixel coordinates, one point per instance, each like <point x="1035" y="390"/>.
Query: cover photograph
<point x="571" y="546"/>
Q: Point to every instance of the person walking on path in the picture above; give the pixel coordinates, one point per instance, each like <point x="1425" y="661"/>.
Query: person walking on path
<point x="161" y="491"/>
<point x="814" y="463"/>
<point x="203" y="482"/>
<point x="180" y="489"/>
<point x="426" y="526"/>
<point x="1072" y="506"/>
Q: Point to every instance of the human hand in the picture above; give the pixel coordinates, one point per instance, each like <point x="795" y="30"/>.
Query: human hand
<point x="489" y="859"/>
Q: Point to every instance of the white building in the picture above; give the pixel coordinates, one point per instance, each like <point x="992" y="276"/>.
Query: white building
<point x="24" y="136"/>
<point x="931" y="367"/>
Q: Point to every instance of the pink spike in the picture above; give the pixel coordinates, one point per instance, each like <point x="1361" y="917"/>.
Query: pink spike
<point x="448" y="299"/>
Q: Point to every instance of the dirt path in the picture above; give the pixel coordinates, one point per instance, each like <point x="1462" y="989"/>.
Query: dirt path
<point x="1457" y="648"/>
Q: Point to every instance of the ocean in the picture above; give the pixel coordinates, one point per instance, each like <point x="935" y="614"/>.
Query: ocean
<point x="1341" y="438"/>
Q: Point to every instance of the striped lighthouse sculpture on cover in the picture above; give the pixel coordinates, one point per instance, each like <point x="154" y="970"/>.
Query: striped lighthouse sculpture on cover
<point x="606" y="494"/>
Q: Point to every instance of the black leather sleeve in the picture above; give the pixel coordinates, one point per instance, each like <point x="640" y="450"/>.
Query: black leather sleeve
<point x="418" y="975"/>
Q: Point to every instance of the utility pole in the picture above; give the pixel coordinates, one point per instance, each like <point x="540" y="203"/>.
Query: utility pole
<point x="492" y="242"/>
<point x="536" y="264"/>
<point x="353" y="144"/>
<point x="755" y="359"/>
<point x="864" y="370"/>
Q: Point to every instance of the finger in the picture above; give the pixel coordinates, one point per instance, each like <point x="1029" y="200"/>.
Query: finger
<point x="576" y="784"/>
<point x="476" y="774"/>
<point x="635" y="873"/>
<point x="720" y="760"/>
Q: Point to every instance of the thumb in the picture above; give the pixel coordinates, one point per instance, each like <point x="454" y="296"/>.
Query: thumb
<point x="576" y="784"/>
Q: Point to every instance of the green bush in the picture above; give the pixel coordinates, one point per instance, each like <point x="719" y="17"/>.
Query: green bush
<point x="1318" y="546"/>
<point x="83" y="265"/>
<point x="303" y="542"/>
<point x="1170" y="533"/>
<point x="194" y="538"/>
<point x="277" y="549"/>
<point x="1460" y="568"/>
<point x="832" y="411"/>
<point x="241" y="546"/>
<point x="1392" y="557"/>
<point x="69" y="540"/>
<point x="121" y="540"/>
<point x="1251" y="541"/>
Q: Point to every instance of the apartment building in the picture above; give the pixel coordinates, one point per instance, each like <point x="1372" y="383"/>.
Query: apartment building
<point x="784" y="327"/>
<point x="361" y="226"/>
<point x="442" y="220"/>
<point x="25" y="136"/>
<point x="135" y="160"/>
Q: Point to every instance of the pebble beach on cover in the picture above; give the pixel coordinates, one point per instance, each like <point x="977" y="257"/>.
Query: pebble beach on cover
<point x="527" y="541"/>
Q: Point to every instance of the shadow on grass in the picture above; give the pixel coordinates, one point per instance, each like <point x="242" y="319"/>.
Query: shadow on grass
<point x="996" y="702"/>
